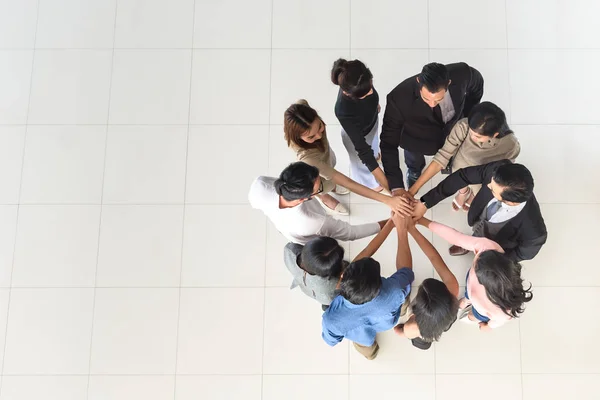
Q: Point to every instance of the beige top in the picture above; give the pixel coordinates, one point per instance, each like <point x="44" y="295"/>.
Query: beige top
<point x="323" y="160"/>
<point x="468" y="153"/>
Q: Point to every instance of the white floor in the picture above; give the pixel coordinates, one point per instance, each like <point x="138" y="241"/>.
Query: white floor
<point x="131" y="266"/>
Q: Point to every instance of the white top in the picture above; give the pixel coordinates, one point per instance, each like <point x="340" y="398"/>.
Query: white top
<point x="505" y="212"/>
<point x="306" y="221"/>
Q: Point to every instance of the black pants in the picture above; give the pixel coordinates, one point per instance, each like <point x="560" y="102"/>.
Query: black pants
<point x="415" y="162"/>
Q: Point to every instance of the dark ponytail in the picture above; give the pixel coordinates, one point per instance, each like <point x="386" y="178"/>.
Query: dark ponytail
<point x="355" y="79"/>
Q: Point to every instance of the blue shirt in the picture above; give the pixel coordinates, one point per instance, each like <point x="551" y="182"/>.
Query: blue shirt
<point x="360" y="323"/>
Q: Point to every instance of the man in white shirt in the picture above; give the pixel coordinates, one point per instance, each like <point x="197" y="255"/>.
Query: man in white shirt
<point x="287" y="202"/>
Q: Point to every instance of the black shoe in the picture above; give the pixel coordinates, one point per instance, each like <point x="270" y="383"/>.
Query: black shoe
<point x="421" y="344"/>
<point x="411" y="177"/>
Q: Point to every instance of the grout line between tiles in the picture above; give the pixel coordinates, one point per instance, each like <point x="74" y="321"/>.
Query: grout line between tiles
<point x="264" y="317"/>
<point x="37" y="14"/>
<point x="572" y="49"/>
<point x="187" y="151"/>
<point x="110" y="83"/>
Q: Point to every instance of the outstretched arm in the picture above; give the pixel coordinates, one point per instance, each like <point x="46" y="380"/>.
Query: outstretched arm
<point x="403" y="255"/>
<point x="376" y="242"/>
<point x="436" y="260"/>
<point x="468" y="242"/>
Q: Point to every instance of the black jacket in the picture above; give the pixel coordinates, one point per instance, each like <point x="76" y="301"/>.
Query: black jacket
<point x="527" y="228"/>
<point x="410" y="123"/>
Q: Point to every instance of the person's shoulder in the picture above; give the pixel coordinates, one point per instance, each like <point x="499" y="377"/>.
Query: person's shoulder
<point x="404" y="87"/>
<point x="262" y="187"/>
<point x="293" y="248"/>
<point x="403" y="276"/>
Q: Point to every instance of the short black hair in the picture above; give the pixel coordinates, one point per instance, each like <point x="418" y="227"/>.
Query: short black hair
<point x="323" y="256"/>
<point x="353" y="77"/>
<point x="297" y="181"/>
<point x="501" y="278"/>
<point x="435" y="77"/>
<point x="361" y="281"/>
<point x="487" y="119"/>
<point x="434" y="308"/>
<point x="517" y="182"/>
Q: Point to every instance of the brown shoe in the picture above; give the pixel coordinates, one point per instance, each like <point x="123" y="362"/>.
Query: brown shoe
<point x="457" y="251"/>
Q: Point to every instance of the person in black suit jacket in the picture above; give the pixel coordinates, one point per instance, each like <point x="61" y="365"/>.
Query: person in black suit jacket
<point x="505" y="209"/>
<point x="419" y="114"/>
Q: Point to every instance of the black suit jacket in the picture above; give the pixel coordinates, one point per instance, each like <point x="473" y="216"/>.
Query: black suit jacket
<point x="527" y="228"/>
<point x="410" y="123"/>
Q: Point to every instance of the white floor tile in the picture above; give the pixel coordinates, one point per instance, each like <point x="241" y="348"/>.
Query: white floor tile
<point x="150" y="87"/>
<point x="558" y="387"/>
<point x="390" y="67"/>
<point x="137" y="22"/>
<point x="218" y="76"/>
<point x="477" y="24"/>
<point x="560" y="161"/>
<point x="57" y="246"/>
<point x="220" y="332"/>
<point x="493" y="65"/>
<point x="18" y="20"/>
<point x="396" y="356"/>
<point x="304" y="74"/>
<point x="4" y="296"/>
<point x="131" y="387"/>
<point x="146" y="323"/>
<point x="12" y="142"/>
<point x="70" y="87"/>
<point x="44" y="387"/>
<point x="311" y="24"/>
<point x="63" y="164"/>
<point x="218" y="387"/>
<point x="534" y="101"/>
<point x="276" y="272"/>
<point x="8" y="226"/>
<point x="376" y="25"/>
<point x="563" y="248"/>
<point x="245" y="151"/>
<point x="140" y="246"/>
<point x="464" y="349"/>
<point x="495" y="386"/>
<point x="223" y="246"/>
<point x="548" y="344"/>
<point x="280" y="155"/>
<point x="300" y="387"/>
<point x="218" y="24"/>
<point x="293" y="343"/>
<point x="145" y="164"/>
<point x="69" y="24"/>
<point x="49" y="332"/>
<point x="15" y="78"/>
<point x="558" y="24"/>
<point x="389" y="387"/>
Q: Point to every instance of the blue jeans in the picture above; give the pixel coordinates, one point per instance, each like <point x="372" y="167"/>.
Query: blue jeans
<point x="480" y="317"/>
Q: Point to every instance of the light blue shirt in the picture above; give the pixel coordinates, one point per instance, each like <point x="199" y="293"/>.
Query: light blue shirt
<point x="360" y="323"/>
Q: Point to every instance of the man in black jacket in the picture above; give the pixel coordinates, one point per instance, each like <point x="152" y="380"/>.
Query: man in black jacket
<point x="505" y="209"/>
<point x="419" y="114"/>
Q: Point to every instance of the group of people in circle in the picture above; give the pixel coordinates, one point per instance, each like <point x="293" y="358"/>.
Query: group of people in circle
<point x="438" y="113"/>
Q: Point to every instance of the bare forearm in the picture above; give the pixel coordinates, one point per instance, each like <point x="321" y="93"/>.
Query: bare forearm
<point x="403" y="256"/>
<point x="424" y="222"/>
<point x="432" y="169"/>
<point x="380" y="177"/>
<point x="377" y="241"/>
<point x="357" y="188"/>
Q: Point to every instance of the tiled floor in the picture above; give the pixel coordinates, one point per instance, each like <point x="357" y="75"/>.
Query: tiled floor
<point x="131" y="265"/>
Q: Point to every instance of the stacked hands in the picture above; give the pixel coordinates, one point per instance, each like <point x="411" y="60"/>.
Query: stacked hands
<point x="403" y="204"/>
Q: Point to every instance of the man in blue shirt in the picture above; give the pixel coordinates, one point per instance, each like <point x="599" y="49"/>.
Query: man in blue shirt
<point x="368" y="303"/>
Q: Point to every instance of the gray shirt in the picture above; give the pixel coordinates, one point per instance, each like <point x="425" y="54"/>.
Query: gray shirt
<point x="317" y="287"/>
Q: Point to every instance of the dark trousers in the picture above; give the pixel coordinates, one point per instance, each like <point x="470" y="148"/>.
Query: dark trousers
<point x="415" y="162"/>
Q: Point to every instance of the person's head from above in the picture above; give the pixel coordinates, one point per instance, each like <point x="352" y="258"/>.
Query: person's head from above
<point x="353" y="77"/>
<point x="323" y="256"/>
<point x="511" y="184"/>
<point x="297" y="183"/>
<point x="486" y="121"/>
<point x="501" y="278"/>
<point x="303" y="127"/>
<point x="433" y="82"/>
<point x="434" y="309"/>
<point x="361" y="281"/>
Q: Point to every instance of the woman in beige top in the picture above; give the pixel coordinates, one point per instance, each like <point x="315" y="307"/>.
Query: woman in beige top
<point x="305" y="134"/>
<point x="481" y="138"/>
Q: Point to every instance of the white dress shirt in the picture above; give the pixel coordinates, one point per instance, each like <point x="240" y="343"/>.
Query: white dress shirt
<point x="306" y="221"/>
<point x="505" y="212"/>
